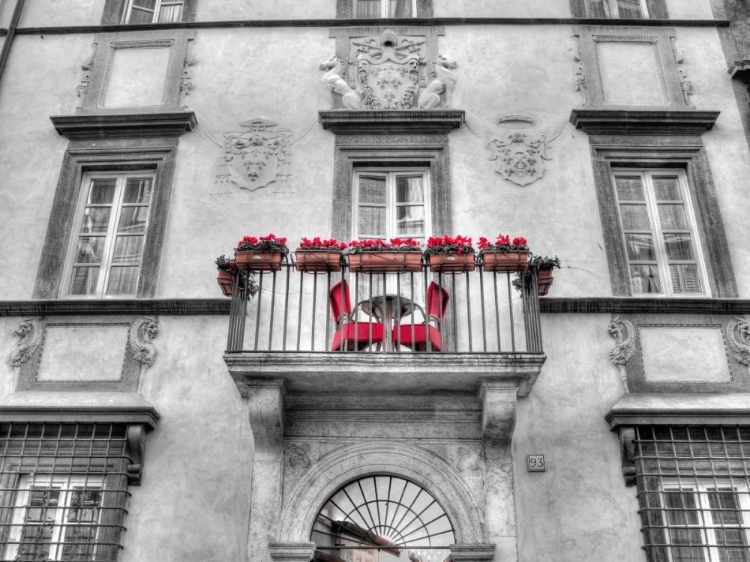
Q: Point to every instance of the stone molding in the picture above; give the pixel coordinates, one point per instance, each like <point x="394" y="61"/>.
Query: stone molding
<point x="30" y="334"/>
<point x="117" y="125"/>
<point x="473" y="552"/>
<point x="498" y="411"/>
<point x="414" y="463"/>
<point x="634" y="305"/>
<point x="393" y="122"/>
<point x="292" y="551"/>
<point x="88" y="307"/>
<point x="617" y="121"/>
<point x="740" y="70"/>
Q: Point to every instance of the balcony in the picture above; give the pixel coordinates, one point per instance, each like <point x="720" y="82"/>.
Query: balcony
<point x="396" y="332"/>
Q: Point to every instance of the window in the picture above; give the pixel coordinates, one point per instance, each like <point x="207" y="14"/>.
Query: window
<point x="658" y="229"/>
<point x="626" y="9"/>
<point x="153" y="11"/>
<point x="385" y="8"/>
<point x="692" y="487"/>
<point x="63" y="488"/>
<point x="107" y="248"/>
<point x="391" y="204"/>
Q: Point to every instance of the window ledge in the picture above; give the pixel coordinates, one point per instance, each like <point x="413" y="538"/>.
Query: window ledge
<point x="89" y="126"/>
<point x="407" y="121"/>
<point x="680" y="409"/>
<point x="618" y="121"/>
<point x="740" y="70"/>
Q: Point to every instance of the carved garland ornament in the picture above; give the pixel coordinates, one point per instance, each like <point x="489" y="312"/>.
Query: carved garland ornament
<point x="143" y="332"/>
<point x="83" y="85"/>
<point x="30" y="332"/>
<point x="625" y="335"/>
<point x="738" y="336"/>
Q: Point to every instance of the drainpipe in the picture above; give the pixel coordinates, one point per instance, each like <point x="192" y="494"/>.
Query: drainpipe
<point x="11" y="34"/>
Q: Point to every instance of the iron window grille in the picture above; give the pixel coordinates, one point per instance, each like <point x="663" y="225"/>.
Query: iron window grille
<point x="376" y="518"/>
<point x="693" y="491"/>
<point x="63" y="488"/>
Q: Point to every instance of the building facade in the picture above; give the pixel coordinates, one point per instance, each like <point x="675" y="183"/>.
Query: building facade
<point x="368" y="417"/>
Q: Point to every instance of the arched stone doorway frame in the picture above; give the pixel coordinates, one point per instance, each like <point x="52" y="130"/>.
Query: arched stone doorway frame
<point x="419" y="465"/>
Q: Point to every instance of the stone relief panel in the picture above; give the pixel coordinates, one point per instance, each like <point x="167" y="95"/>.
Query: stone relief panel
<point x="738" y="337"/>
<point x="624" y="334"/>
<point x="81" y="354"/>
<point x="256" y="157"/>
<point x="85" y="78"/>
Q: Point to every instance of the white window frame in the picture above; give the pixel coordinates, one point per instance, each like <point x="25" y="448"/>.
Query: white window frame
<point x="614" y="11"/>
<point x="384" y="8"/>
<point x="67" y="486"/>
<point x="157" y="9"/>
<point x="390" y="204"/>
<point x="646" y="175"/>
<point x="702" y="487"/>
<point x="111" y="235"/>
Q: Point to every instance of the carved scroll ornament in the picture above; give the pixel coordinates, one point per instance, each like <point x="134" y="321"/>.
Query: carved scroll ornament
<point x="30" y="332"/>
<point x="623" y="332"/>
<point x="142" y="335"/>
<point x="738" y="337"/>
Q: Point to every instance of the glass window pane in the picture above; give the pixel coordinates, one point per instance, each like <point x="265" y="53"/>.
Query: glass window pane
<point x="410" y="220"/>
<point x="128" y="249"/>
<point x="673" y="217"/>
<point x="140" y="16"/>
<point x="372" y="222"/>
<point x="640" y="247"/>
<point x="372" y="189"/>
<point x="409" y="190"/>
<point x="724" y="508"/>
<point x="682" y="508"/>
<point x="635" y="217"/>
<point x="138" y="190"/>
<point x="147" y="4"/>
<point x="685" y="278"/>
<point x="102" y="191"/>
<point x="679" y="246"/>
<point x="667" y="189"/>
<point x="90" y="249"/>
<point x="399" y="8"/>
<point x="645" y="279"/>
<point x="368" y="8"/>
<point x="630" y="9"/>
<point x="83" y="281"/>
<point x="629" y="188"/>
<point x="133" y="219"/>
<point x="95" y="220"/>
<point x="170" y="13"/>
<point x="122" y="281"/>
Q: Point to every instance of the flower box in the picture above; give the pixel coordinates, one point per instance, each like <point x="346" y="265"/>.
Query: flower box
<point x="544" y="279"/>
<point x="258" y="261"/>
<point x="317" y="260"/>
<point x="512" y="260"/>
<point x="225" y="279"/>
<point x="385" y="262"/>
<point x="451" y="262"/>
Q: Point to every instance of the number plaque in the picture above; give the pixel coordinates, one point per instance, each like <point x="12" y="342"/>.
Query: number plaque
<point x="535" y="463"/>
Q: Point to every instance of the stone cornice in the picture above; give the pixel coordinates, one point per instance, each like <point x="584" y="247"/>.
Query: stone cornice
<point x="88" y="126"/>
<point x="429" y="121"/>
<point x="680" y="409"/>
<point x="631" y="305"/>
<point x="740" y="70"/>
<point x="161" y="307"/>
<point x="618" y="121"/>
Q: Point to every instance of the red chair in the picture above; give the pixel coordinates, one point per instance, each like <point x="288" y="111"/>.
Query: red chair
<point x="350" y="335"/>
<point x="415" y="336"/>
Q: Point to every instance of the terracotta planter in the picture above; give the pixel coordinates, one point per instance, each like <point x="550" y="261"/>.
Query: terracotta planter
<point x="258" y="261"/>
<point x="317" y="260"/>
<point x="516" y="260"/>
<point x="225" y="279"/>
<point x="544" y="279"/>
<point x="385" y="262"/>
<point x="450" y="262"/>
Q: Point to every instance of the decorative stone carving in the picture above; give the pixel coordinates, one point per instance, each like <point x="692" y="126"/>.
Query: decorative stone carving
<point x="137" y="448"/>
<point x="738" y="337"/>
<point x="627" y="454"/>
<point x="297" y="455"/>
<point x="685" y="82"/>
<point x="333" y="81"/>
<point x="83" y="85"/>
<point x="255" y="158"/>
<point x="187" y="77"/>
<point x="30" y="332"/>
<point x="142" y="335"/>
<point x="444" y="82"/>
<point x="292" y="552"/>
<point x="581" y="85"/>
<point x="520" y="157"/>
<point x="625" y="335"/>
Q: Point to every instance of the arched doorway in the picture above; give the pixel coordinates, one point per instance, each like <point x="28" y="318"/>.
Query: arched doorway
<point x="382" y="518"/>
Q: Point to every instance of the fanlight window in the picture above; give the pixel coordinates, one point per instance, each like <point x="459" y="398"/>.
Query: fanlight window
<point x="382" y="519"/>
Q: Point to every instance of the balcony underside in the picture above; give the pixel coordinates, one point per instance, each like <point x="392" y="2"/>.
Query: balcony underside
<point x="406" y="373"/>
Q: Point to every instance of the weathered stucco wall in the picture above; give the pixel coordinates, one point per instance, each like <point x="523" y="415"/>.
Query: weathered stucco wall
<point x="220" y="10"/>
<point x="501" y="9"/>
<point x="690" y="9"/>
<point x="49" y="13"/>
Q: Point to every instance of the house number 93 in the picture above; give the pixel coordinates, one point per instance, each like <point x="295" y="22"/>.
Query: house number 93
<point x="535" y="463"/>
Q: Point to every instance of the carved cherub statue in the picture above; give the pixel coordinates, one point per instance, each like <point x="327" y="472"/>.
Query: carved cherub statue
<point x="333" y="80"/>
<point x="443" y="82"/>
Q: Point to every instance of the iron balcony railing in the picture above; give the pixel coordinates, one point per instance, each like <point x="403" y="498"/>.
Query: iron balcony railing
<point x="466" y="312"/>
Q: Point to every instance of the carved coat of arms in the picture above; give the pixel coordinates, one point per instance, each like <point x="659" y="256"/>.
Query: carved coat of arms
<point x="256" y="156"/>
